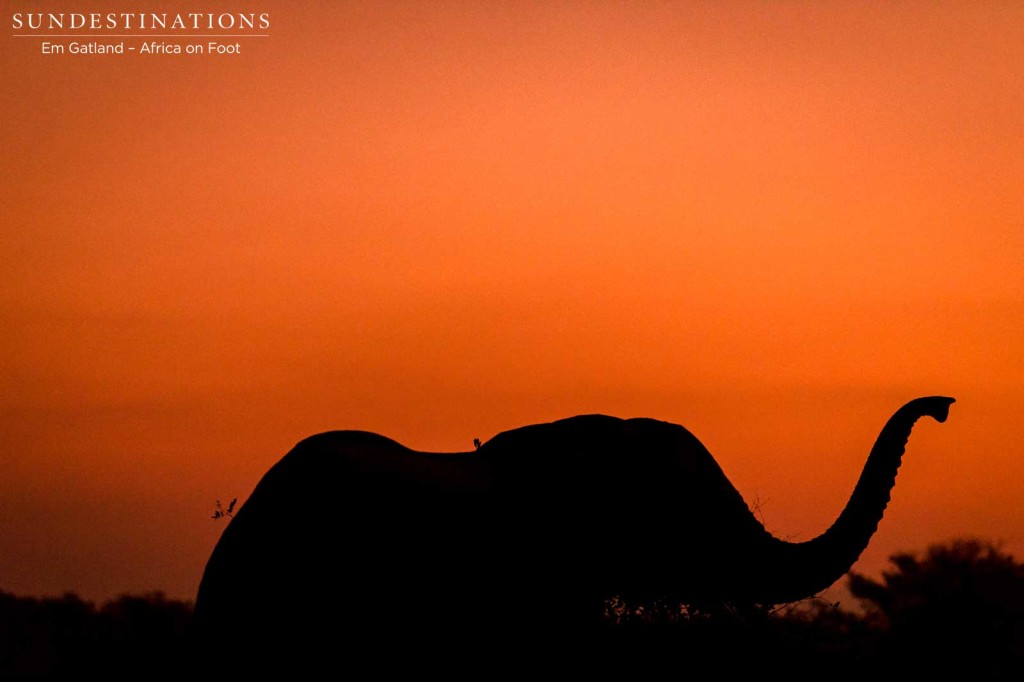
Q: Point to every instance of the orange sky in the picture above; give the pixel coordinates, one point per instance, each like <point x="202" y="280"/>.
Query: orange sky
<point x="773" y="223"/>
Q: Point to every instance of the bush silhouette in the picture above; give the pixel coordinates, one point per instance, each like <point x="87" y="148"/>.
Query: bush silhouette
<point x="956" y="607"/>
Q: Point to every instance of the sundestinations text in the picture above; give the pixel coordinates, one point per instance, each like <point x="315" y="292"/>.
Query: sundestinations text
<point x="140" y="21"/>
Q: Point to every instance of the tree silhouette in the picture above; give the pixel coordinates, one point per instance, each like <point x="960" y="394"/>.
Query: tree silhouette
<point x="131" y="637"/>
<point x="958" y="607"/>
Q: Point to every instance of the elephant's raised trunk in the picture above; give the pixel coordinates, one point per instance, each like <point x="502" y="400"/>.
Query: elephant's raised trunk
<point x="794" y="571"/>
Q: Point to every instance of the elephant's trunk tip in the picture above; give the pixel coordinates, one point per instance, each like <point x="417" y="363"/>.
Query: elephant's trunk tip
<point x="936" y="407"/>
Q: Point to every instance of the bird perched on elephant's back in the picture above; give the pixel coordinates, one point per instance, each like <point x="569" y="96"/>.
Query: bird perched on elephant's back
<point x="353" y="539"/>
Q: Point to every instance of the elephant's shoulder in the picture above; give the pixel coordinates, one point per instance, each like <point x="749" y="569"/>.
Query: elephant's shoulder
<point x="347" y="442"/>
<point x="357" y="462"/>
<point x="338" y="448"/>
<point x="326" y="462"/>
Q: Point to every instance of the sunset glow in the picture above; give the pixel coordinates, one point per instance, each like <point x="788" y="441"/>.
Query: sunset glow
<point x="772" y="223"/>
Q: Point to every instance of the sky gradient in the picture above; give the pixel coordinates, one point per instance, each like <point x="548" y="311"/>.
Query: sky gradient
<point x="773" y="223"/>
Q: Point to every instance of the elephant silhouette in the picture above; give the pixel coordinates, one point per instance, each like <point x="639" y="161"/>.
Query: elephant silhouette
<point x="352" y="539"/>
